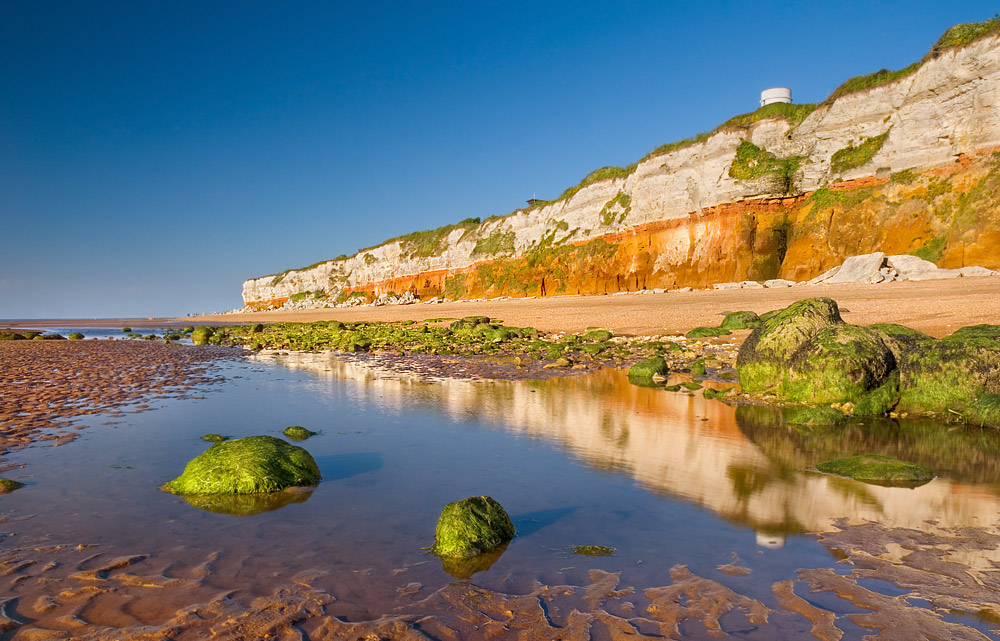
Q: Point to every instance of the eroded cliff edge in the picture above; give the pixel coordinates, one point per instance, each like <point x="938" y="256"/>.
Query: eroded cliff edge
<point x="908" y="165"/>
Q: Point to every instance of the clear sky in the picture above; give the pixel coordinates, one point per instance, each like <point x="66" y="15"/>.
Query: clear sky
<point x="153" y="155"/>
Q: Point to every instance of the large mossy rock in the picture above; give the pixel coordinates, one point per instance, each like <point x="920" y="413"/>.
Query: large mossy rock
<point x="247" y="466"/>
<point x="806" y="353"/>
<point x="950" y="373"/>
<point x="470" y="527"/>
<point x="880" y="470"/>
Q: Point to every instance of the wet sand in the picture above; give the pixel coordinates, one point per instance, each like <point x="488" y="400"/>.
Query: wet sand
<point x="45" y="386"/>
<point x="935" y="307"/>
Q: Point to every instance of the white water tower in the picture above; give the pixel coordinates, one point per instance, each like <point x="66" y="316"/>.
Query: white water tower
<point x="777" y="94"/>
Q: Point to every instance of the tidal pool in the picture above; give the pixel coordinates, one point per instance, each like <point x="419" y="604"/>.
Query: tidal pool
<point x="678" y="485"/>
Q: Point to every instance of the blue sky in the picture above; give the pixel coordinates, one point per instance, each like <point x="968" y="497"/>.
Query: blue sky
<point x="153" y="155"/>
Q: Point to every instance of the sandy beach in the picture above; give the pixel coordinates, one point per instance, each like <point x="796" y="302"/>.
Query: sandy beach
<point x="935" y="307"/>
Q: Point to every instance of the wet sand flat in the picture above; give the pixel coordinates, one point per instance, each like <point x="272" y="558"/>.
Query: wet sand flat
<point x="45" y="385"/>
<point x="934" y="307"/>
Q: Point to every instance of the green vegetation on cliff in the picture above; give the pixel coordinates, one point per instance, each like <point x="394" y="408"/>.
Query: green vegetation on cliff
<point x="752" y="163"/>
<point x="851" y="157"/>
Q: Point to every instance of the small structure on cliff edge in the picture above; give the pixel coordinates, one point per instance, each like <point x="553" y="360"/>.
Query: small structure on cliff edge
<point x="777" y="94"/>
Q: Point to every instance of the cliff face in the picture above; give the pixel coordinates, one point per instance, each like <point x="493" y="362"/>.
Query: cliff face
<point x="904" y="167"/>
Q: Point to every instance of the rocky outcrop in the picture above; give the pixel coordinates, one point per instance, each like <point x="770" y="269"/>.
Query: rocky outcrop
<point x="901" y="168"/>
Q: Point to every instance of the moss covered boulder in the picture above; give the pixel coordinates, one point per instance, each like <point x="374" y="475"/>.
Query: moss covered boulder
<point x="202" y="335"/>
<point x="880" y="470"/>
<point x="950" y="373"/>
<point x="9" y="485"/>
<point x="740" y="320"/>
<point x="645" y="370"/>
<point x="984" y="411"/>
<point x="247" y="466"/>
<point x="298" y="433"/>
<point x="6" y="335"/>
<point x="806" y="353"/>
<point x="470" y="527"/>
<point x="469" y="322"/>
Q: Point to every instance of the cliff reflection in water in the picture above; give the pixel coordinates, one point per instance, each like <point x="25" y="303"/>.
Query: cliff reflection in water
<point x="743" y="464"/>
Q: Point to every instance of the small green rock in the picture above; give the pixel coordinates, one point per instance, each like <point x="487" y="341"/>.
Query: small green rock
<point x="691" y="385"/>
<point x="297" y="433"/>
<point x="247" y="466"/>
<point x="598" y="336"/>
<point x="705" y="332"/>
<point x="698" y="367"/>
<point x="213" y="438"/>
<point x="740" y="320"/>
<point x="648" y="368"/>
<point x="75" y="336"/>
<point x="126" y="330"/>
<point x="594" y="550"/>
<point x="881" y="470"/>
<point x="470" y="527"/>
<point x="7" y="485"/>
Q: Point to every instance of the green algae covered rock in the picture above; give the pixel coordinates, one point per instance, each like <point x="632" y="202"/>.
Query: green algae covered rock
<point x="76" y="336"/>
<point x="298" y="433"/>
<point x="202" y="335"/>
<point x="984" y="411"/>
<point x="806" y="353"/>
<point x="213" y="438"/>
<point x="646" y="369"/>
<point x="740" y="320"/>
<point x="948" y="374"/>
<point x="594" y="550"/>
<point x="705" y="332"/>
<point x="469" y="322"/>
<point x="247" y="466"/>
<point x="881" y="470"/>
<point x="6" y="335"/>
<point x="598" y="335"/>
<point x="470" y="527"/>
<point x="880" y="400"/>
<point x="7" y="485"/>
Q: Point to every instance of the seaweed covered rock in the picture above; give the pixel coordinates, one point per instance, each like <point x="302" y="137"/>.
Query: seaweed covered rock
<point x="807" y="353"/>
<point x="6" y="335"/>
<point x="247" y="466"/>
<point x="594" y="550"/>
<point x="645" y="370"/>
<point x="470" y="527"/>
<point x="598" y="335"/>
<point x="881" y="470"/>
<point x="950" y="373"/>
<point x="202" y="335"/>
<point x="9" y="485"/>
<point x="984" y="411"/>
<point x="469" y="322"/>
<point x="706" y="332"/>
<point x="213" y="438"/>
<point x="740" y="320"/>
<point x="76" y="336"/>
<point x="298" y="433"/>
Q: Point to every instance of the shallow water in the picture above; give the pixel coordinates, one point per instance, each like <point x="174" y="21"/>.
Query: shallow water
<point x="665" y="478"/>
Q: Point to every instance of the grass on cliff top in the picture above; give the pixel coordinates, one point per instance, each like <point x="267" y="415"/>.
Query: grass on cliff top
<point x="954" y="37"/>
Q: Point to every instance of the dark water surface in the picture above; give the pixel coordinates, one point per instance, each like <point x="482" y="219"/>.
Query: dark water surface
<point x="665" y="478"/>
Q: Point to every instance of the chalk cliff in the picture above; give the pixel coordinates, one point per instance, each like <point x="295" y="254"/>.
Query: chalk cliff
<point x="904" y="166"/>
